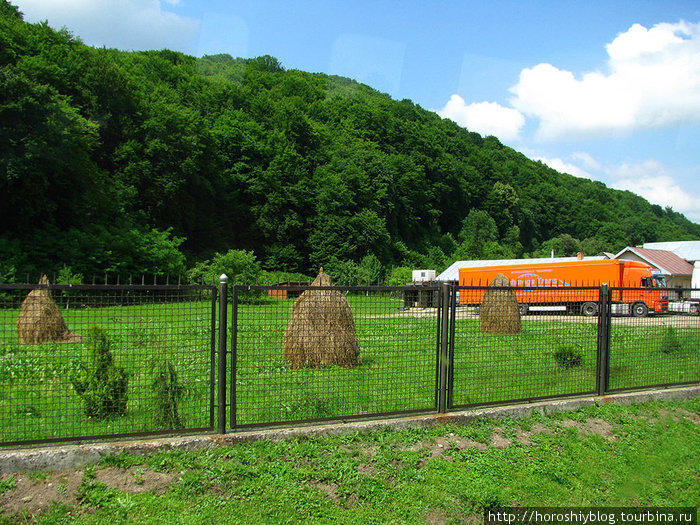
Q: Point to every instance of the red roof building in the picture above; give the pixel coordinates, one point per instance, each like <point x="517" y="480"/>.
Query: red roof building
<point x="677" y="270"/>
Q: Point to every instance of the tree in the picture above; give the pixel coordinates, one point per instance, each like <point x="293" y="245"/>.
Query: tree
<point x="478" y="229"/>
<point x="343" y="272"/>
<point x="400" y="276"/>
<point x="502" y="205"/>
<point x="562" y="246"/>
<point x="46" y="174"/>
<point x="370" y="270"/>
<point x="103" y="151"/>
<point x="9" y="10"/>
<point x="239" y="266"/>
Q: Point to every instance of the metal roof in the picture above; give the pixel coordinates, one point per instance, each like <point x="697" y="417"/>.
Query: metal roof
<point x="667" y="262"/>
<point x="688" y="250"/>
<point x="452" y="273"/>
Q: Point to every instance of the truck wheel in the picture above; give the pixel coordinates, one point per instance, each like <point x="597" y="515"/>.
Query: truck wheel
<point x="589" y="309"/>
<point x="640" y="310"/>
<point x="522" y="309"/>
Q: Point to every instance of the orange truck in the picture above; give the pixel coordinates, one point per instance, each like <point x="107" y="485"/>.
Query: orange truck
<point x="561" y="286"/>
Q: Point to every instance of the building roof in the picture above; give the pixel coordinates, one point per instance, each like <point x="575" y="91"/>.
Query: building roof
<point x="667" y="262"/>
<point x="452" y="273"/>
<point x="688" y="250"/>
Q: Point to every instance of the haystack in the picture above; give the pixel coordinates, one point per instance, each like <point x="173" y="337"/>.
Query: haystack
<point x="40" y="320"/>
<point x="321" y="330"/>
<point x="499" y="311"/>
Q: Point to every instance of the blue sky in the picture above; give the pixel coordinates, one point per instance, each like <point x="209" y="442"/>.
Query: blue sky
<point x="608" y="90"/>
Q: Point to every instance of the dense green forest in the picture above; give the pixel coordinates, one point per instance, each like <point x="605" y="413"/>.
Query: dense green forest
<point x="152" y="162"/>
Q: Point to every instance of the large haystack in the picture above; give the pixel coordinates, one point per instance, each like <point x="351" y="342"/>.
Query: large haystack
<point x="321" y="330"/>
<point x="40" y="320"/>
<point x="499" y="311"/>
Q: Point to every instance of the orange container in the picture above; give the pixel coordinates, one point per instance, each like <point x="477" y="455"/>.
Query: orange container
<point x="557" y="286"/>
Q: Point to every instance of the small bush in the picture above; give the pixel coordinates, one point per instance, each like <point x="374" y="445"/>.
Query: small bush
<point x="101" y="384"/>
<point x="169" y="391"/>
<point x="670" y="344"/>
<point x="568" y="355"/>
<point x="400" y="276"/>
<point x="240" y="267"/>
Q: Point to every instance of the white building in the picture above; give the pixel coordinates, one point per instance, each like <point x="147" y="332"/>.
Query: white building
<point x="688" y="250"/>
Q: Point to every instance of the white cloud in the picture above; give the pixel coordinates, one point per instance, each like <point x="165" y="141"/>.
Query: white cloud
<point x="649" y="179"/>
<point x="638" y="40"/>
<point x="487" y="118"/>
<point x="124" y="24"/>
<point x="664" y="191"/>
<point x="565" y="167"/>
<point x="653" y="79"/>
<point x="586" y="160"/>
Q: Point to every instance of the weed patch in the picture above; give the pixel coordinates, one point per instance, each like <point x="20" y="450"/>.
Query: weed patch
<point x="671" y="344"/>
<point x="169" y="392"/>
<point x="568" y="355"/>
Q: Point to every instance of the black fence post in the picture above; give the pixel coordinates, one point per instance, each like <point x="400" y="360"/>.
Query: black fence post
<point x="438" y="341"/>
<point x="223" y="328"/>
<point x="603" y="356"/>
<point x="451" y="348"/>
<point x="212" y="371"/>
<point x="444" y="343"/>
<point x="234" y="354"/>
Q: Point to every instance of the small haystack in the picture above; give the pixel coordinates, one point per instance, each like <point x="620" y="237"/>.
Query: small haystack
<point x="40" y="320"/>
<point x="321" y="330"/>
<point x="499" y="311"/>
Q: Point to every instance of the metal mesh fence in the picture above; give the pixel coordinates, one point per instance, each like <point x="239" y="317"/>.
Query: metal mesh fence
<point x="653" y="350"/>
<point x="506" y="351"/>
<point x="287" y="344"/>
<point x="90" y="361"/>
<point x="98" y="361"/>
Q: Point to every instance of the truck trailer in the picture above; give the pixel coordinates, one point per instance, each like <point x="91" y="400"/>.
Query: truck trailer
<point x="692" y="305"/>
<point x="573" y="286"/>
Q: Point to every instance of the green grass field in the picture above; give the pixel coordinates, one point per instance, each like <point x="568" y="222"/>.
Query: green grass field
<point x="37" y="399"/>
<point x="645" y="455"/>
<point x="397" y="370"/>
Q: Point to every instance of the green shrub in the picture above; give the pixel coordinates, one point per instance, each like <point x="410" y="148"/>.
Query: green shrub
<point x="568" y="355"/>
<point x="400" y="276"/>
<point x="100" y="383"/>
<point x="240" y="267"/>
<point x="169" y="391"/>
<point x="670" y="344"/>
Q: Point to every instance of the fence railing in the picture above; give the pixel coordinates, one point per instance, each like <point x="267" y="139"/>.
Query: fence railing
<point x="330" y="353"/>
<point x="108" y="360"/>
<point x="83" y="361"/>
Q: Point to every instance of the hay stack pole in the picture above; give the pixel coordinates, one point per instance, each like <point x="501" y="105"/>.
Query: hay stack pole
<point x="40" y="320"/>
<point x="321" y="330"/>
<point x="499" y="311"/>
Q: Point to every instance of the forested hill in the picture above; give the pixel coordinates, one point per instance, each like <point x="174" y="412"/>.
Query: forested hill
<point x="152" y="161"/>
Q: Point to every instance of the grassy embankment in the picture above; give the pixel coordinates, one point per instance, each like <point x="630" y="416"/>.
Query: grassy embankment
<point x="640" y="455"/>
